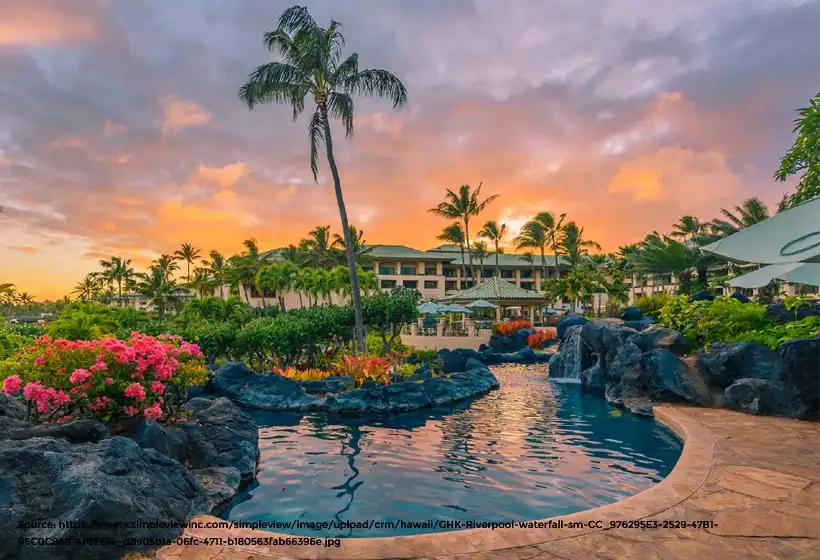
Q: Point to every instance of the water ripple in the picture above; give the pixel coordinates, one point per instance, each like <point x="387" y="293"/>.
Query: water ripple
<point x="532" y="449"/>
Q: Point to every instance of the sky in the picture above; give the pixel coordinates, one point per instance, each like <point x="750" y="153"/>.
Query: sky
<point x="121" y="132"/>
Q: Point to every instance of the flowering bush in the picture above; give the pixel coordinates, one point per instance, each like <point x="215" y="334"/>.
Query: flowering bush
<point x="536" y="339"/>
<point x="364" y="368"/>
<point x="508" y="328"/>
<point x="107" y="379"/>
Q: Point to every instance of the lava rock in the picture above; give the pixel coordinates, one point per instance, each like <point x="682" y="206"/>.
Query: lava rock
<point x="268" y="391"/>
<point x="366" y="399"/>
<point x="725" y="362"/>
<point x="402" y="397"/>
<point x="761" y="396"/>
<point x="640" y="324"/>
<point x="800" y="371"/>
<point x="624" y="376"/>
<point x="639" y="406"/>
<point x="114" y="480"/>
<point x="593" y="379"/>
<point x="667" y="339"/>
<point x="632" y="314"/>
<point x="171" y="442"/>
<point x="455" y="360"/>
<point x="330" y="384"/>
<point x="79" y="431"/>
<point x="702" y="295"/>
<point x="220" y="486"/>
<point x="566" y="322"/>
<point x="779" y="313"/>
<point x="741" y="297"/>
<point x="220" y="434"/>
<point x="669" y="378"/>
<point x="11" y="407"/>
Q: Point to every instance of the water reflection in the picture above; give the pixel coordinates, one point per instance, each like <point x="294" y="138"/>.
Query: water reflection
<point x="527" y="451"/>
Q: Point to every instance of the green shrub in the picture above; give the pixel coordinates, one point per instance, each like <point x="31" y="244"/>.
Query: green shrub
<point x="420" y="356"/>
<point x="722" y="320"/>
<point x="11" y="342"/>
<point x="28" y="330"/>
<point x="651" y="305"/>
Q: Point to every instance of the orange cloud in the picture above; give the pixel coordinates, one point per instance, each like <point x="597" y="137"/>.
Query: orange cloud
<point x="113" y="127"/>
<point x="71" y="142"/>
<point x="44" y="23"/>
<point x="178" y="114"/>
<point x="226" y="176"/>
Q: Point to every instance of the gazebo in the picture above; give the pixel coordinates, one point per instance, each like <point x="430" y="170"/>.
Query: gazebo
<point x="502" y="294"/>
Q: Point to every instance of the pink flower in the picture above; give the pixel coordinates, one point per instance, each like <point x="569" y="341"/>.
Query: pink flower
<point x="63" y="419"/>
<point x="135" y="391"/>
<point x="157" y="388"/>
<point x="109" y="381"/>
<point x="137" y="376"/>
<point x="100" y="403"/>
<point x="131" y="410"/>
<point x="153" y="412"/>
<point x="99" y="366"/>
<point x="32" y="390"/>
<point x="39" y="361"/>
<point x="11" y="385"/>
<point x="80" y="375"/>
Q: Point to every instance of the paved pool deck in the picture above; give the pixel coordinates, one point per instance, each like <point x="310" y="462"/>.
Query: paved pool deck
<point x="752" y="482"/>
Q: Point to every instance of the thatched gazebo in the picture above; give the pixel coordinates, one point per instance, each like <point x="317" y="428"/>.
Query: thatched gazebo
<point x="502" y="294"/>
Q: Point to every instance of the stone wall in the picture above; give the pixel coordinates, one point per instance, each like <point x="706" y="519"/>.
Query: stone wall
<point x="636" y="369"/>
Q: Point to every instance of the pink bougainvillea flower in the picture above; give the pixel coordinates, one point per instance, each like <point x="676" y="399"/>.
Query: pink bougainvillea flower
<point x="80" y="375"/>
<point x="135" y="391"/>
<point x="109" y="381"/>
<point x="32" y="390"/>
<point x="11" y="385"/>
<point x="131" y="410"/>
<point x="153" y="412"/>
<point x="157" y="387"/>
<point x="39" y="361"/>
<point x="99" y="366"/>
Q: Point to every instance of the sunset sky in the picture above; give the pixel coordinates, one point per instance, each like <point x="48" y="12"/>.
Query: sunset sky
<point x="121" y="132"/>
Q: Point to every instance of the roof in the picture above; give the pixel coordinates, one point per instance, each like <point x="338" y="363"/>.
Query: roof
<point x="495" y="289"/>
<point x="504" y="259"/>
<point x="402" y="252"/>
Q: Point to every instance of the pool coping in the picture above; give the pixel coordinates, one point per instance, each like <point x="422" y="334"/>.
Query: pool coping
<point x="687" y="477"/>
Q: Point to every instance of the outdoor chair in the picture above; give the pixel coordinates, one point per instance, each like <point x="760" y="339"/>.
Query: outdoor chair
<point x="429" y="326"/>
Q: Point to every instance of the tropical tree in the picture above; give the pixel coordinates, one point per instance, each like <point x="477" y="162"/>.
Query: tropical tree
<point x="25" y="298"/>
<point x="454" y="234"/>
<point x="663" y="255"/>
<point x="318" y="247"/>
<point x="294" y="254"/>
<point x="574" y="244"/>
<point x="244" y="268"/>
<point x="8" y="293"/>
<point x="495" y="232"/>
<point x="312" y="65"/>
<point x="201" y="282"/>
<point x="159" y="288"/>
<point x="750" y="212"/>
<point x="188" y="254"/>
<point x="463" y="205"/>
<point x="529" y="258"/>
<point x="87" y="289"/>
<point x="687" y="228"/>
<point x="117" y="271"/>
<point x="216" y="267"/>
<point x="804" y="155"/>
<point x="480" y="252"/>
<point x="278" y="278"/>
<point x="361" y="252"/>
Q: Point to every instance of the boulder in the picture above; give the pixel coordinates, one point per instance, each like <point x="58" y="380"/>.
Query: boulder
<point x="632" y="314"/>
<point x="114" y="481"/>
<point x="723" y="363"/>
<point x="779" y="313"/>
<point x="472" y="363"/>
<point x="761" y="396"/>
<point x="171" y="442"/>
<point x="268" y="391"/>
<point x="365" y="400"/>
<point x="80" y="431"/>
<point x="640" y="324"/>
<point x="667" y="339"/>
<point x="330" y="384"/>
<point x="455" y="360"/>
<point x="624" y="376"/>
<point x="11" y="407"/>
<point x="566" y="322"/>
<point x="406" y="396"/>
<point x="702" y="295"/>
<point x="593" y="379"/>
<point x="639" y="406"/>
<point x="800" y="371"/>
<point x="575" y="355"/>
<point x="220" y="434"/>
<point x="741" y="297"/>
<point x="220" y="486"/>
<point x="668" y="378"/>
<point x="555" y="366"/>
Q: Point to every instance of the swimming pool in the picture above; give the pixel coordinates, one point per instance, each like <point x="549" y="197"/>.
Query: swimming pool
<point x="530" y="450"/>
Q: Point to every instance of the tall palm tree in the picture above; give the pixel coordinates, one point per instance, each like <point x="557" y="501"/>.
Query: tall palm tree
<point x="160" y="288"/>
<point x="361" y="252"/>
<point x="216" y="267"/>
<point x="245" y="266"/>
<point x="117" y="271"/>
<point x="495" y="232"/>
<point x="201" y="282"/>
<point x="294" y="254"/>
<point x="480" y="252"/>
<point x="25" y="298"/>
<point x="278" y="278"/>
<point x="687" y="228"/>
<point x="463" y="205"/>
<point x="167" y="263"/>
<point x="319" y="247"/>
<point x="534" y="236"/>
<point x="8" y="293"/>
<point x="528" y="257"/>
<point x="188" y="254"/>
<point x="88" y="288"/>
<point x="663" y="255"/>
<point x="312" y="65"/>
<point x="752" y="211"/>
<point x="574" y="243"/>
<point x="454" y="234"/>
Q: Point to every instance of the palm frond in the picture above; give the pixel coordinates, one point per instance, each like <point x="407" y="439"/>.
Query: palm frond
<point x="317" y="137"/>
<point x="274" y="82"/>
<point x="377" y="83"/>
<point x="295" y="19"/>
<point x="340" y="106"/>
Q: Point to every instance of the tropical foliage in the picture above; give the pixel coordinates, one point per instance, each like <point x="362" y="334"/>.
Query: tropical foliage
<point x="803" y="157"/>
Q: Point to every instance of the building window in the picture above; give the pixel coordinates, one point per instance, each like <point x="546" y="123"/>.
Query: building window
<point x="487" y="273"/>
<point x="387" y="270"/>
<point x="527" y="285"/>
<point x="409" y="271"/>
<point x="367" y="268"/>
<point x="412" y="284"/>
<point x="508" y="274"/>
<point x="387" y="284"/>
<point x="431" y="284"/>
<point x="526" y="274"/>
<point x="265" y="293"/>
<point x="430" y="271"/>
<point x="450" y="272"/>
<point x="449" y="286"/>
<point x="465" y="285"/>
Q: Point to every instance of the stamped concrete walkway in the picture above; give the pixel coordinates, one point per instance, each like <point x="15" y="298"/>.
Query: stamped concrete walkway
<point x="756" y="479"/>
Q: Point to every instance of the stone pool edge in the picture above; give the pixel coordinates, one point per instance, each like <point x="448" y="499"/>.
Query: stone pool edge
<point x="689" y="474"/>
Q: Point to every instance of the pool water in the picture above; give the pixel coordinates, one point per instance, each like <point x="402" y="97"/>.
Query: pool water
<point x="530" y="450"/>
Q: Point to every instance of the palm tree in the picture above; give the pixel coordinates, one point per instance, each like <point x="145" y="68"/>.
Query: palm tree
<point x="88" y="288"/>
<point x="464" y="205"/>
<point x="201" y="282"/>
<point x="574" y="243"/>
<point x="752" y="211"/>
<point x="480" y="252"/>
<point x="318" y="247"/>
<point x="8" y="293"/>
<point x="278" y="278"/>
<point x="528" y="257"/>
<point x="454" y="234"/>
<point x="495" y="232"/>
<point x="361" y="252"/>
<point x="159" y="287"/>
<point x="167" y="263"/>
<point x="117" y="271"/>
<point x="534" y="236"/>
<point x="312" y="65"/>
<point x="188" y="254"/>
<point x="687" y="228"/>
<point x="663" y="255"/>
<point x="216" y="267"/>
<point x="245" y="267"/>
<point x="25" y="298"/>
<point x="294" y="254"/>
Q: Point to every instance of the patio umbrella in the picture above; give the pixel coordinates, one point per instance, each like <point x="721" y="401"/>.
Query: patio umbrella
<point x="482" y="304"/>
<point x="429" y="307"/>
<point x="455" y="308"/>
<point x="788" y="237"/>
<point x="798" y="273"/>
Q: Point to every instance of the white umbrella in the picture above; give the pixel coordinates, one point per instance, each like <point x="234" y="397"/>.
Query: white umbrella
<point x="788" y="237"/>
<point x="429" y="308"/>
<point x="798" y="273"/>
<point x="482" y="304"/>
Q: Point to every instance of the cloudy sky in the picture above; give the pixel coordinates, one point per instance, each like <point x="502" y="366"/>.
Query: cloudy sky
<point x="121" y="132"/>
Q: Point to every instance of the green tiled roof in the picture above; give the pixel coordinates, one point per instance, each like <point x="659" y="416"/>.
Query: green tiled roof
<point x="495" y="289"/>
<point x="401" y="252"/>
<point x="504" y="259"/>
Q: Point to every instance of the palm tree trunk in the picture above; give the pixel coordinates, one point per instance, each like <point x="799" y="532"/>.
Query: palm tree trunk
<point x="351" y="263"/>
<point x="497" y="268"/>
<point x="467" y="237"/>
<point x="299" y="293"/>
<point x="703" y="279"/>
<point x="555" y="254"/>
<point x="119" y="291"/>
<point x="463" y="269"/>
<point x="543" y="265"/>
